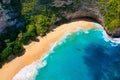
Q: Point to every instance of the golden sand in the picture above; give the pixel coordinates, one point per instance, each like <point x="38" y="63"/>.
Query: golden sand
<point x="36" y="50"/>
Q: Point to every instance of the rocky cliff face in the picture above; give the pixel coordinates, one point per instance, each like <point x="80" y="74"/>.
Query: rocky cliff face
<point x="9" y="15"/>
<point x="80" y="9"/>
<point x="88" y="11"/>
<point x="83" y="9"/>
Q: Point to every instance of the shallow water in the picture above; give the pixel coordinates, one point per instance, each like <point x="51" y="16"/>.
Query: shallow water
<point x="82" y="55"/>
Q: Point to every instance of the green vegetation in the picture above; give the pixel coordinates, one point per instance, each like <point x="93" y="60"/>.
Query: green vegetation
<point x="28" y="6"/>
<point x="11" y="43"/>
<point x="111" y="12"/>
<point x="77" y="0"/>
<point x="39" y="16"/>
<point x="39" y="26"/>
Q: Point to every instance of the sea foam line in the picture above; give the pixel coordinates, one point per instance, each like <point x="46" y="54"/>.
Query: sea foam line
<point x="108" y="38"/>
<point x="54" y="44"/>
<point x="30" y="71"/>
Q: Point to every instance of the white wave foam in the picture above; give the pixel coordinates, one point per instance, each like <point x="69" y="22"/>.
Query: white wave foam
<point x="86" y="31"/>
<point x="116" y="40"/>
<point x="62" y="40"/>
<point x="52" y="45"/>
<point x="78" y="29"/>
<point x="107" y="38"/>
<point x="98" y="26"/>
<point x="30" y="71"/>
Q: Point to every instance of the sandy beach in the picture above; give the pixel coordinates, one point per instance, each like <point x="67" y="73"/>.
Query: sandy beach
<point x="36" y="50"/>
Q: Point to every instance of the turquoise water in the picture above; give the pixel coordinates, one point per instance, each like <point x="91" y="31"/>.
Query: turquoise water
<point x="82" y="56"/>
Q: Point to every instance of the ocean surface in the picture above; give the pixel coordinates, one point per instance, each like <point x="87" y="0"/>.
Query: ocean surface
<point x="82" y="55"/>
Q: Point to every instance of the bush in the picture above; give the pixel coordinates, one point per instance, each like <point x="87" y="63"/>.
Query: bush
<point x="17" y="47"/>
<point x="42" y="24"/>
<point x="5" y="53"/>
<point x="114" y="24"/>
<point x="111" y="12"/>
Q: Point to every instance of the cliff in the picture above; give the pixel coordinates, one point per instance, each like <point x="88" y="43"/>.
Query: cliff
<point x="69" y="10"/>
<point x="10" y="15"/>
<point x="23" y="20"/>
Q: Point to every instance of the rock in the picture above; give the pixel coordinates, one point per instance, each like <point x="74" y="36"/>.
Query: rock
<point x="11" y="57"/>
<point x="3" y="18"/>
<point x="116" y="33"/>
<point x="14" y="15"/>
<point x="60" y="3"/>
<point x="6" y="1"/>
<point x="73" y="10"/>
<point x="11" y="22"/>
<point x="81" y="9"/>
<point x="20" y="24"/>
<point x="88" y="11"/>
<point x="9" y="16"/>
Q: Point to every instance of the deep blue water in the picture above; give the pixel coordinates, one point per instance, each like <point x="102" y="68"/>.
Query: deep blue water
<point x="83" y="56"/>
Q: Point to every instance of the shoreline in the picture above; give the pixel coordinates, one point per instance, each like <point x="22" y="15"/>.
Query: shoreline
<point x="37" y="50"/>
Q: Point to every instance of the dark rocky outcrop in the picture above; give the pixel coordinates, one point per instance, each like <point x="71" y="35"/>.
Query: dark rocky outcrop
<point x="116" y="33"/>
<point x="88" y="11"/>
<point x="9" y="15"/>
<point x="82" y="9"/>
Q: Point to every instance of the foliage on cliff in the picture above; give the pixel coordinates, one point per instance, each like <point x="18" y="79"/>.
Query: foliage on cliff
<point x="111" y="12"/>
<point x="39" y="15"/>
<point x="11" y="42"/>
